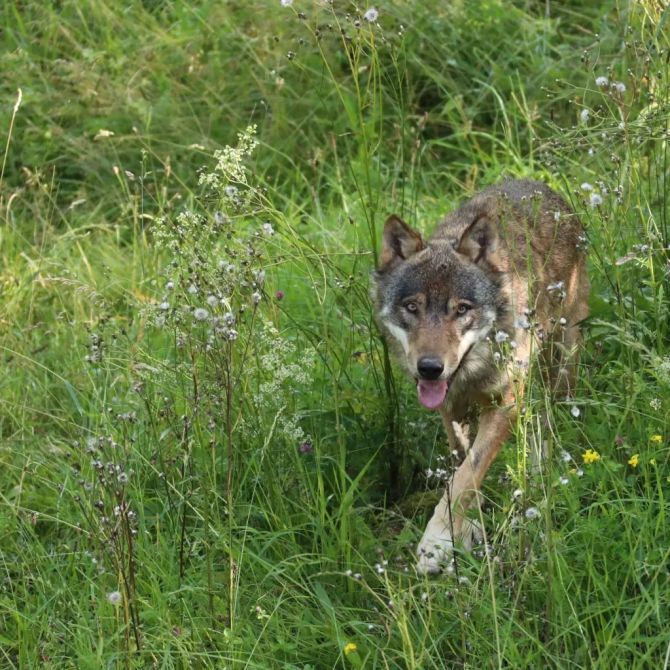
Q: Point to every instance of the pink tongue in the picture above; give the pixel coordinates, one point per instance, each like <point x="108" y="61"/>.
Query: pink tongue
<point x="431" y="394"/>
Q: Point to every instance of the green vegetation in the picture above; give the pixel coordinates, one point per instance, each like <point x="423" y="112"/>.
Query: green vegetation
<point x="207" y="458"/>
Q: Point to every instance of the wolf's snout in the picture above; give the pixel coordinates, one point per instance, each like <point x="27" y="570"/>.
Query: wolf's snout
<point x="429" y="367"/>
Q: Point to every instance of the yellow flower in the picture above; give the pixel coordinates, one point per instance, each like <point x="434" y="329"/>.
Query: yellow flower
<point x="590" y="456"/>
<point x="656" y="438"/>
<point x="349" y="648"/>
<point x="634" y="460"/>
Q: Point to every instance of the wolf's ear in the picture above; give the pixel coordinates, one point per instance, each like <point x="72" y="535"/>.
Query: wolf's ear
<point x="399" y="242"/>
<point x="479" y="240"/>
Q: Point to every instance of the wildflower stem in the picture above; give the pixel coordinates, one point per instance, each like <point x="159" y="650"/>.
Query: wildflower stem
<point x="17" y="104"/>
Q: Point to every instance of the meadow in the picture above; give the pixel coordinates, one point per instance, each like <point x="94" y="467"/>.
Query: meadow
<point x="207" y="456"/>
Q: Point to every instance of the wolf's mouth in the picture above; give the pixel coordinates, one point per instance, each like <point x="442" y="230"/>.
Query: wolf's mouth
<point x="432" y="393"/>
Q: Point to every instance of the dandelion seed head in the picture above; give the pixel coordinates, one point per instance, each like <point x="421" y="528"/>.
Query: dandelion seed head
<point x="595" y="200"/>
<point x="371" y="15"/>
<point x="619" y="87"/>
<point x="522" y="322"/>
<point x="584" y="115"/>
<point x="114" y="597"/>
<point x="200" y="314"/>
<point x="532" y="513"/>
<point x="602" y="81"/>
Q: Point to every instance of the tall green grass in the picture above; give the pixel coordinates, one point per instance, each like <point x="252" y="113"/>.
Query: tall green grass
<point x="176" y="494"/>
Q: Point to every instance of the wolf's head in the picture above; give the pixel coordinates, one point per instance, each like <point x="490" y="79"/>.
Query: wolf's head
<point x="437" y="301"/>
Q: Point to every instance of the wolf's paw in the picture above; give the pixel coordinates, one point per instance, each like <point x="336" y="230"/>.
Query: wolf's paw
<point x="472" y="533"/>
<point x="434" y="549"/>
<point x="437" y="547"/>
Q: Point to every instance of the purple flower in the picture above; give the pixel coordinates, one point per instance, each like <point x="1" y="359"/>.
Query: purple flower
<point x="279" y="295"/>
<point x="306" y="447"/>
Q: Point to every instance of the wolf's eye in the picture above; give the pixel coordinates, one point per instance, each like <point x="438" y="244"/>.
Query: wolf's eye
<point x="463" y="308"/>
<point x="411" y="307"/>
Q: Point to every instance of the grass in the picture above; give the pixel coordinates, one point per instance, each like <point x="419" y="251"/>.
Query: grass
<point x="246" y="487"/>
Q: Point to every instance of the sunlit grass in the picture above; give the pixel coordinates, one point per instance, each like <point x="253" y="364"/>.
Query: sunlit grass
<point x="256" y="499"/>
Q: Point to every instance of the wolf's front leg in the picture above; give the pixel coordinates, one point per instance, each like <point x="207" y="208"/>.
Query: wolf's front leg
<point x="437" y="543"/>
<point x="449" y="522"/>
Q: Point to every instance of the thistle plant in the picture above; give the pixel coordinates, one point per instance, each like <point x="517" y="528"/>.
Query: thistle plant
<point x="240" y="370"/>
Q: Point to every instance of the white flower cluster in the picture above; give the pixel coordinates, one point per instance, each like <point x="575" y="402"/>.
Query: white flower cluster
<point x="230" y="166"/>
<point x="285" y="372"/>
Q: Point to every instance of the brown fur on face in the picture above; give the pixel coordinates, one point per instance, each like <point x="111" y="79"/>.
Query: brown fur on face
<point x="502" y="274"/>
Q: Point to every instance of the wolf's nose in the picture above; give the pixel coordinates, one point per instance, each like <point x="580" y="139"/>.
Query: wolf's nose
<point x="429" y="367"/>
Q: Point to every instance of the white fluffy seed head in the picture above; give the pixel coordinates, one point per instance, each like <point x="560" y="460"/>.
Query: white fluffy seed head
<point x="532" y="513"/>
<point x="114" y="597"/>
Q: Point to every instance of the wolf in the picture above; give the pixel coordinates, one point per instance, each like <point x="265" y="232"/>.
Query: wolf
<point x="500" y="283"/>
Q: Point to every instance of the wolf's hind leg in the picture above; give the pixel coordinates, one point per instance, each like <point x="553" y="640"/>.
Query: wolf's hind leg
<point x="565" y="361"/>
<point x="569" y="341"/>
